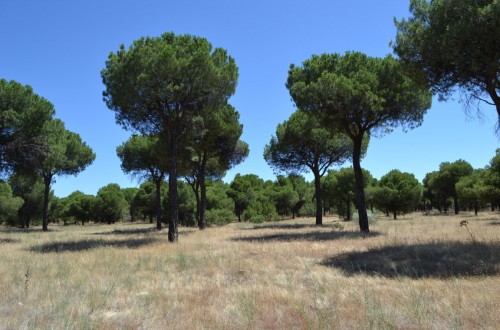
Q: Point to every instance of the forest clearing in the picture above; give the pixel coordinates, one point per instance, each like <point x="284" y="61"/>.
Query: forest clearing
<point x="418" y="272"/>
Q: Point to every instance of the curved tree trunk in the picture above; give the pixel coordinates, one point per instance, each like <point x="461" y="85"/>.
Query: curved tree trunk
<point x="360" y="190"/>
<point x="319" y="198"/>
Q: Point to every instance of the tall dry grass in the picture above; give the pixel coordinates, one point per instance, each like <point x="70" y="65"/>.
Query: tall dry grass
<point x="419" y="272"/>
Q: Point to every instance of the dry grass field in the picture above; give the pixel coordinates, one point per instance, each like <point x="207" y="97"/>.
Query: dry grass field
<point x="419" y="272"/>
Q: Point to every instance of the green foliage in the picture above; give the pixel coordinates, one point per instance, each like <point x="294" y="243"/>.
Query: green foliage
<point x="110" y="204"/>
<point x="22" y="115"/>
<point x="359" y="96"/>
<point x="187" y="205"/>
<point x="340" y="190"/>
<point x="301" y="143"/>
<point x="442" y="183"/>
<point x="31" y="190"/>
<point x="9" y="205"/>
<point x="159" y="85"/>
<point x="80" y="206"/>
<point x="65" y="154"/>
<point x="491" y="178"/>
<point x="220" y="208"/>
<point x="453" y="43"/>
<point x="143" y="156"/>
<point x="472" y="190"/>
<point x="284" y="196"/>
<point x="398" y="192"/>
<point x="251" y="196"/>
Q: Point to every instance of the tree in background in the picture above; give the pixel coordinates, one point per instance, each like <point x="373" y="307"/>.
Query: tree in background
<point x="241" y="191"/>
<point x="301" y="144"/>
<point x="220" y="207"/>
<point x="145" y="157"/>
<point x="340" y="190"/>
<point x="359" y="96"/>
<point x="492" y="181"/>
<point x="22" y="116"/>
<point x="9" y="205"/>
<point x="398" y="192"/>
<point x="214" y="148"/>
<point x="301" y="187"/>
<point x="31" y="189"/>
<point x="252" y="198"/>
<point x="129" y="194"/>
<point x="454" y="44"/>
<point x="471" y="189"/>
<point x="66" y="154"/>
<point x="157" y="87"/>
<point x="110" y="204"/>
<point x="284" y="196"/>
<point x="80" y="206"/>
<point x="448" y="176"/>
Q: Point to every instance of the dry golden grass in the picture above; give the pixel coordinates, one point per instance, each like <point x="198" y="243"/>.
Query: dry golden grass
<point x="419" y="272"/>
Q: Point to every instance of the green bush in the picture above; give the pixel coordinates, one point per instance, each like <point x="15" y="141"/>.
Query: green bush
<point x="219" y="216"/>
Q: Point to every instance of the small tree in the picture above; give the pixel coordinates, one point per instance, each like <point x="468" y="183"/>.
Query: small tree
<point x="301" y="144"/>
<point x="214" y="148"/>
<point x="66" y="154"/>
<point x="80" y="206"/>
<point x="31" y="190"/>
<point x="241" y="191"/>
<point x="359" y="96"/>
<point x="110" y="204"/>
<point x="471" y="189"/>
<point x="448" y="176"/>
<point x="454" y="44"/>
<point x="145" y="157"/>
<point x="9" y="205"/>
<point x="398" y="192"/>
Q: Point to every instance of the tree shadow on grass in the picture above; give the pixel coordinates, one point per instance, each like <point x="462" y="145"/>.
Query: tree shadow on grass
<point x="283" y="226"/>
<point x="309" y="236"/>
<point x="9" y="240"/>
<point x="84" y="245"/>
<point x="495" y="223"/>
<point x="134" y="231"/>
<point x="433" y="260"/>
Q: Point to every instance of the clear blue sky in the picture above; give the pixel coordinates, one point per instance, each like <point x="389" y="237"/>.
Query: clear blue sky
<point x="59" y="48"/>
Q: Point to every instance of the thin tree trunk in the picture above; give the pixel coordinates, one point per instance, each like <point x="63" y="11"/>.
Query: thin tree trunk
<point x="45" y="216"/>
<point x="173" y="221"/>
<point x="360" y="186"/>
<point x="455" y="201"/>
<point x="158" y="202"/>
<point x="395" y="216"/>
<point x="203" y="198"/>
<point x="319" y="198"/>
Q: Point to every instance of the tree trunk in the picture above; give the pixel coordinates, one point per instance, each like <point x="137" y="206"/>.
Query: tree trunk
<point x="202" y="224"/>
<point x="455" y="201"/>
<point x="173" y="221"/>
<point x="158" y="202"/>
<point x="476" y="207"/>
<point x="395" y="216"/>
<point x="47" y="179"/>
<point x="348" y="209"/>
<point x="491" y="88"/>
<point x="360" y="186"/>
<point x="319" y="198"/>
